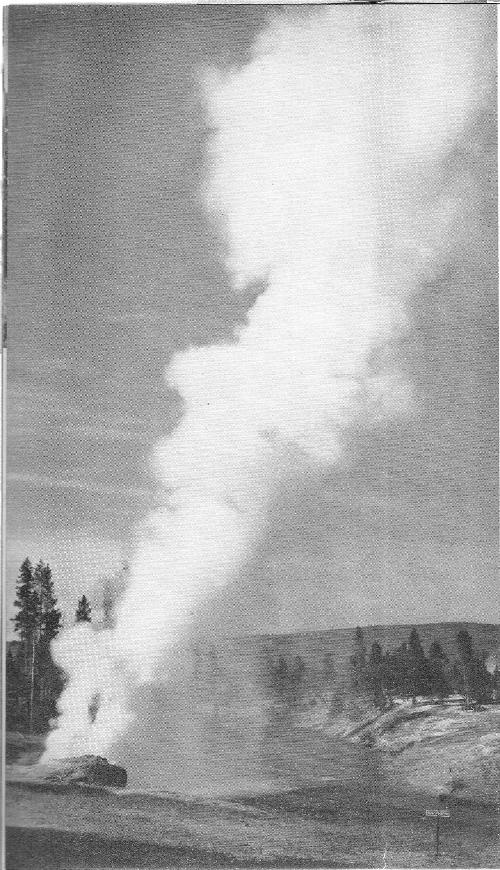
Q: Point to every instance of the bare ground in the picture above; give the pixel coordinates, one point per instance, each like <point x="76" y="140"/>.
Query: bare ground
<point x="345" y="822"/>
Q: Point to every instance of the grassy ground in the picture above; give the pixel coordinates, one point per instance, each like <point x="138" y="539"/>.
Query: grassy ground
<point x="328" y="826"/>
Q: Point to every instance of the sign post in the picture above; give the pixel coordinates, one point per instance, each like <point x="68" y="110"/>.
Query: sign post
<point x="438" y="815"/>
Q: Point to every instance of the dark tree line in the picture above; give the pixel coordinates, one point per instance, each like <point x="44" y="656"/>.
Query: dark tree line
<point x="33" y="680"/>
<point x="284" y="680"/>
<point x="407" y="672"/>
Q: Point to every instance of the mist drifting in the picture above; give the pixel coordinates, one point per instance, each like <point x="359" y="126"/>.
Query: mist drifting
<point x="319" y="174"/>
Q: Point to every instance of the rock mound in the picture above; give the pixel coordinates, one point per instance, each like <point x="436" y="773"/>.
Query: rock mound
<point x="89" y="769"/>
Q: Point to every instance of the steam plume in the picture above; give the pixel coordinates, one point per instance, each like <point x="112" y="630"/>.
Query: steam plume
<point x="319" y="148"/>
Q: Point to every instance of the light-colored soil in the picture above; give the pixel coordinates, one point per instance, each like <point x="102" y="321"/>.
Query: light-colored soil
<point x="438" y="748"/>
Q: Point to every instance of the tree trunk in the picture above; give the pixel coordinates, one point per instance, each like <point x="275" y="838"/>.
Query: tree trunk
<point x="32" y="683"/>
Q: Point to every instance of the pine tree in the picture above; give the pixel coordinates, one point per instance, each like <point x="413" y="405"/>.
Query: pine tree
<point x="398" y="671"/>
<point x="83" y="610"/>
<point x="27" y="624"/>
<point x="466" y="663"/>
<point x="418" y="666"/>
<point x="50" y="621"/>
<point x="483" y="682"/>
<point x="376" y="675"/>
<point x="16" y="695"/>
<point x="49" y="675"/>
<point x="439" y="684"/>
<point x="38" y="622"/>
<point x="46" y="679"/>
<point x="358" y="662"/>
<point x="26" y="619"/>
<point x="471" y="675"/>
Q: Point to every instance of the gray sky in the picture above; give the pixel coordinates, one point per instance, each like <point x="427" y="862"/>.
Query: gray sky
<point x="114" y="265"/>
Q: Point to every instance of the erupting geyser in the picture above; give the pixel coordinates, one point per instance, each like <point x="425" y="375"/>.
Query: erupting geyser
<point x="319" y="147"/>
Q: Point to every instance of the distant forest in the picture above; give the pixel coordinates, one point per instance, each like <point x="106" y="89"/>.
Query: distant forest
<point x="381" y="676"/>
<point x="34" y="682"/>
<point x="407" y="672"/>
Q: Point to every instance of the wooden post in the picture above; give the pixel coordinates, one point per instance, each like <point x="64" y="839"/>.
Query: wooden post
<point x="438" y="815"/>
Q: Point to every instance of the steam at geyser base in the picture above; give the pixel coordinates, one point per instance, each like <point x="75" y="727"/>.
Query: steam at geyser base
<point x="322" y="149"/>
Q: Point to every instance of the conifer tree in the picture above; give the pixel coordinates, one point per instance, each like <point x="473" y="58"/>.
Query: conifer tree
<point x="49" y="675"/>
<point x="358" y="662"/>
<point x="466" y="662"/>
<point x="83" y="610"/>
<point x="26" y="620"/>
<point x="481" y="683"/>
<point x="470" y="672"/>
<point x="418" y="666"/>
<point x="15" y="695"/>
<point x="38" y="622"/>
<point x="398" y="668"/>
<point x="50" y="617"/>
<point x="376" y="673"/>
<point x="27" y="624"/>
<point x="439" y="684"/>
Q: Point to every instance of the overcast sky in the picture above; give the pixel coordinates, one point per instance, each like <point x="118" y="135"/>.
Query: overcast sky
<point x="114" y="265"/>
